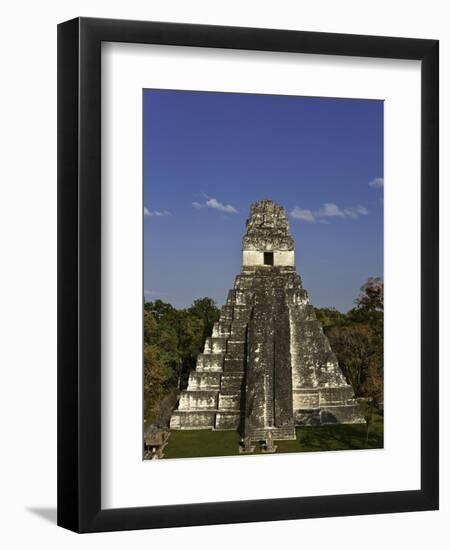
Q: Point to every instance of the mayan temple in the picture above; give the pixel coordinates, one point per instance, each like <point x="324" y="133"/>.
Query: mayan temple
<point x="267" y="366"/>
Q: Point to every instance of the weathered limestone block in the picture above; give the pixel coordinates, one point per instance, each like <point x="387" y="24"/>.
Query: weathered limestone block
<point x="204" y="381"/>
<point x="236" y="297"/>
<point x="236" y="349"/>
<point x="231" y="381"/>
<point x="215" y="345"/>
<point x="244" y="281"/>
<point x="306" y="399"/>
<point x="210" y="363"/>
<point x="192" y="420"/>
<point x="221" y="330"/>
<point x="238" y="331"/>
<point x="227" y="420"/>
<point x="336" y="395"/>
<point x="283" y="257"/>
<point x="198" y="400"/>
<point x="241" y="314"/>
<point x="226" y="313"/>
<point x="229" y="400"/>
<point x="234" y="364"/>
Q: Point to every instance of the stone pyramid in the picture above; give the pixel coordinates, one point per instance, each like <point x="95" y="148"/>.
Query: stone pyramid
<point x="267" y="366"/>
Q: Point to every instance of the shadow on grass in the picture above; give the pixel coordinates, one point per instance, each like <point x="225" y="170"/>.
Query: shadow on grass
<point x="338" y="437"/>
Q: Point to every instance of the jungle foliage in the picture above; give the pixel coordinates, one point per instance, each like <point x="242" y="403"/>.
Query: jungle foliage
<point x="356" y="337"/>
<point x="172" y="340"/>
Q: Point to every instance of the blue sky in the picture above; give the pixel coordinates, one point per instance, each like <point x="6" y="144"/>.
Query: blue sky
<point x="208" y="156"/>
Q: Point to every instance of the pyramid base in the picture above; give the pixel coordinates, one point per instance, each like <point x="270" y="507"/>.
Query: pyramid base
<point x="337" y="414"/>
<point x="278" y="434"/>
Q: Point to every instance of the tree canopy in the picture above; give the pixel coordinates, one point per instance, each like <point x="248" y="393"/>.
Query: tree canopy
<point x="357" y="339"/>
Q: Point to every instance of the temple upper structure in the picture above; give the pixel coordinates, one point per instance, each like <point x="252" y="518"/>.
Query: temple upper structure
<point x="267" y="240"/>
<point x="268" y="365"/>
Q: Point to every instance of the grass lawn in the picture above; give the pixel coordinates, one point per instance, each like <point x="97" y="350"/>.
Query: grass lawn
<point x="200" y="443"/>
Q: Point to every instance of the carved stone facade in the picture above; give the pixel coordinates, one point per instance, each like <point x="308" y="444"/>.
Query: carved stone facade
<point x="267" y="366"/>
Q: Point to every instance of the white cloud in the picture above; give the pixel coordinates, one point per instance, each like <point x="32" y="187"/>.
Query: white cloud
<point x="303" y="214"/>
<point x="214" y="203"/>
<point x="156" y="213"/>
<point x="211" y="202"/>
<point x="328" y="210"/>
<point x="377" y="183"/>
<point x="356" y="212"/>
<point x="362" y="210"/>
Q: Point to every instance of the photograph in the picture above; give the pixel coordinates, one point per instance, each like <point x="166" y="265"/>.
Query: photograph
<point x="263" y="278"/>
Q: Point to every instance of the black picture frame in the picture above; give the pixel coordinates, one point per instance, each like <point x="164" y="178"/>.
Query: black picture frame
<point x="79" y="274"/>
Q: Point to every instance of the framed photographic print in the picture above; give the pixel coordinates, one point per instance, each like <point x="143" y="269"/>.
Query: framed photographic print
<point x="248" y="275"/>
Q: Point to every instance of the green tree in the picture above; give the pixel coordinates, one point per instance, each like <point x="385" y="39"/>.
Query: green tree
<point x="373" y="389"/>
<point x="329" y="317"/>
<point x="161" y="330"/>
<point x="160" y="309"/>
<point x="206" y="310"/>
<point x="191" y="341"/>
<point x="357" y="340"/>
<point x="154" y="382"/>
<point x="373" y="386"/>
<point x="353" y="347"/>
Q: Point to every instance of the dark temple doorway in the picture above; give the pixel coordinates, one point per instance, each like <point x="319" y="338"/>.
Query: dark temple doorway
<point x="268" y="258"/>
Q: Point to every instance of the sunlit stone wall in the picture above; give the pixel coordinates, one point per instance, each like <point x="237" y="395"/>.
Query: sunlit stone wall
<point x="252" y="258"/>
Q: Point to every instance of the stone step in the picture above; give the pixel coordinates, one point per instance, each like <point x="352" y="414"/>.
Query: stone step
<point x="238" y="330"/>
<point x="320" y="357"/>
<point x="221" y="329"/>
<point x="198" y="400"/>
<point x="229" y="400"/>
<point x="207" y="362"/>
<point x="192" y="420"/>
<point x="305" y="400"/>
<point x="226" y="312"/>
<point x="215" y="345"/>
<point x="237" y="297"/>
<point x="241" y="313"/>
<point x="204" y="381"/>
<point x="244" y="283"/>
<point x="278" y="434"/>
<point x="234" y="364"/>
<point x="335" y="396"/>
<point x="231" y="381"/>
<point x="302" y="313"/>
<point x="235" y="348"/>
<point x="299" y="297"/>
<point x="227" y="420"/>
